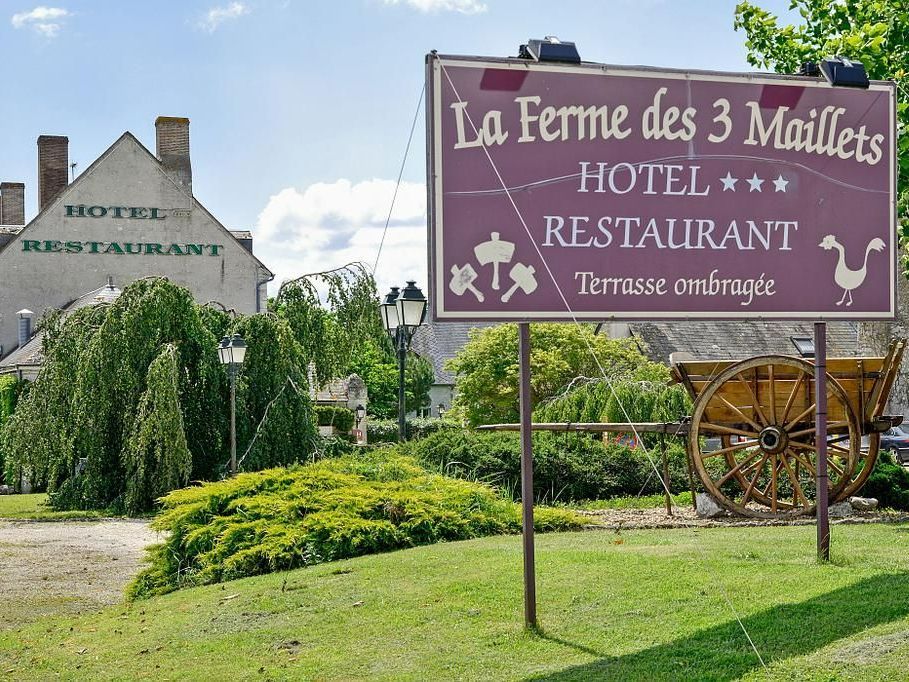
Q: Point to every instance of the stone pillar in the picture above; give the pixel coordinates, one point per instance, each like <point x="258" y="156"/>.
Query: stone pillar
<point x="357" y="395"/>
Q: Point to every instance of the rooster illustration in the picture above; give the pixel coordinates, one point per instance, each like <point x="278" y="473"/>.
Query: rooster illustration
<point x="845" y="276"/>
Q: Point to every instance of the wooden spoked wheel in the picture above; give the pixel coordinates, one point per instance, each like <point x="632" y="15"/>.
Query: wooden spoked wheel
<point x="864" y="468"/>
<point x="763" y="411"/>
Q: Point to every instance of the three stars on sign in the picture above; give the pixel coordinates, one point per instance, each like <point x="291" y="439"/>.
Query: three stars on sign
<point x="755" y="184"/>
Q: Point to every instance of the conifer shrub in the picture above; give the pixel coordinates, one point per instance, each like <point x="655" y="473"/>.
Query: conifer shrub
<point x="287" y="518"/>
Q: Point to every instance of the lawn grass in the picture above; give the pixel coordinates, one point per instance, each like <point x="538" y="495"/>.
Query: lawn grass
<point x="633" y="502"/>
<point x="643" y="605"/>
<point x="34" y="507"/>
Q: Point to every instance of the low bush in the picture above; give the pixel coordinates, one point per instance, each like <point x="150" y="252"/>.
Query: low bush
<point x="386" y="430"/>
<point x="566" y="467"/>
<point x="339" y="417"/>
<point x="281" y="519"/>
<point x="888" y="483"/>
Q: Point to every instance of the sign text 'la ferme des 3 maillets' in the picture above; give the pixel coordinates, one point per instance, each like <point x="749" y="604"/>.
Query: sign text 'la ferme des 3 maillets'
<point x="594" y="192"/>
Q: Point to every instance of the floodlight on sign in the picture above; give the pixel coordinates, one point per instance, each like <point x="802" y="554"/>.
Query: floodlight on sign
<point x="844" y="72"/>
<point x="550" y="49"/>
<point x="411" y="307"/>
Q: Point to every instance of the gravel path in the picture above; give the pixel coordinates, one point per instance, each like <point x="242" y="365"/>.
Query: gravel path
<point x="66" y="566"/>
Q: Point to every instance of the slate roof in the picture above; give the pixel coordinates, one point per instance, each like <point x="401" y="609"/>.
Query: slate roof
<point x="440" y="341"/>
<point x="31" y="354"/>
<point x="737" y="340"/>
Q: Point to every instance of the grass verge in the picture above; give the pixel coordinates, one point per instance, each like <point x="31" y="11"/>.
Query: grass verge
<point x="34" y="507"/>
<point x="644" y="605"/>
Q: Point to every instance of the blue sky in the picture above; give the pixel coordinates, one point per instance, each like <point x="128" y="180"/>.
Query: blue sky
<point x="300" y="109"/>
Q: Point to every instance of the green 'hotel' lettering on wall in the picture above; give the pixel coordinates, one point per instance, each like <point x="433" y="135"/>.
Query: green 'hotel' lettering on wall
<point x="132" y="212"/>
<point x="121" y="248"/>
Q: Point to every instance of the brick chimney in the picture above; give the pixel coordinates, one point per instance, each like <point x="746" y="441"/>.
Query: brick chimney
<point x="53" y="168"/>
<point x="172" y="148"/>
<point x="12" y="203"/>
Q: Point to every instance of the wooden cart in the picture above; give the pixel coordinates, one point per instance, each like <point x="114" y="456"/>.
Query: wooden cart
<point x="752" y="437"/>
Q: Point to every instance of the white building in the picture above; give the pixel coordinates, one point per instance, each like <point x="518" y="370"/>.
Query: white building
<point x="131" y="214"/>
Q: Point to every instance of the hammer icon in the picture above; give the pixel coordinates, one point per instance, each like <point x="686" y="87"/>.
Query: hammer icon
<point x="523" y="278"/>
<point x="462" y="280"/>
<point x="494" y="251"/>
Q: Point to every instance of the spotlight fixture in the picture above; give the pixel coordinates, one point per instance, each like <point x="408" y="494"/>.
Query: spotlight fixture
<point x="549" y="49"/>
<point x="844" y="72"/>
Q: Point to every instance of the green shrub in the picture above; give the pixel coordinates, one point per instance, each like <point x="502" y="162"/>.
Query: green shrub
<point x="889" y="483"/>
<point x="337" y="508"/>
<point x="339" y="417"/>
<point x="567" y="466"/>
<point x="386" y="430"/>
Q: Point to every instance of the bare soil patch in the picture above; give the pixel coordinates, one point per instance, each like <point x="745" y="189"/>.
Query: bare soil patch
<point x="66" y="567"/>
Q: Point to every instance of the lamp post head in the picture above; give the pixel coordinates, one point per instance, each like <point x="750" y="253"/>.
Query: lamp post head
<point x="360" y="412"/>
<point x="224" y="350"/>
<point x="238" y="349"/>
<point x="411" y="307"/>
<point x="232" y="350"/>
<point x="389" y="311"/>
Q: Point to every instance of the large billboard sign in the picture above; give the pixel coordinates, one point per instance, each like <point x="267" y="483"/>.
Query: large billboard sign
<point x="594" y="192"/>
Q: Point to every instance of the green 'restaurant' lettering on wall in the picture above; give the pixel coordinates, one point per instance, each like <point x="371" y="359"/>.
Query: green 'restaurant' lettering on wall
<point x="121" y="248"/>
<point x="132" y="212"/>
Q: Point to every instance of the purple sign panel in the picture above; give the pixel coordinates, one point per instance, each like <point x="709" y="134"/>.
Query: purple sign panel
<point x="594" y="192"/>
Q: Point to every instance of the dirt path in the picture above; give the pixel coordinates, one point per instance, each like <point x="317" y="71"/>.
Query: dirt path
<point x="66" y="566"/>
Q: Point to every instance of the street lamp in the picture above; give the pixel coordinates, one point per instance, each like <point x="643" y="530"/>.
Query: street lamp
<point x="441" y="410"/>
<point x="360" y="413"/>
<point x="232" y="351"/>
<point x="402" y="312"/>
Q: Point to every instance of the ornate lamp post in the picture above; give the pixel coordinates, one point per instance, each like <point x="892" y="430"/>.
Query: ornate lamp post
<point x="441" y="410"/>
<point x="402" y="312"/>
<point x="232" y="351"/>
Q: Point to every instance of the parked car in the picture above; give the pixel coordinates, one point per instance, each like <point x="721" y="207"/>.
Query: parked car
<point x="896" y="440"/>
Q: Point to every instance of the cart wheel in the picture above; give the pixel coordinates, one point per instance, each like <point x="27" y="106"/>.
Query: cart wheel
<point x="866" y="463"/>
<point x="763" y="410"/>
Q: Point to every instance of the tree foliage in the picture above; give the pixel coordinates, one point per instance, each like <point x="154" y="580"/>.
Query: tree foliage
<point x="275" y="421"/>
<point x="332" y="323"/>
<point x="132" y="400"/>
<point x="875" y="32"/>
<point x="487" y="366"/>
<point x="157" y="457"/>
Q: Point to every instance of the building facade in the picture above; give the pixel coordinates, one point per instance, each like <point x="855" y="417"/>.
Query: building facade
<point x="131" y="214"/>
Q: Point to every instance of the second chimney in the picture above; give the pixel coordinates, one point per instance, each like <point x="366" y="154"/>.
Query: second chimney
<point x="12" y="203"/>
<point x="53" y="167"/>
<point x="172" y="149"/>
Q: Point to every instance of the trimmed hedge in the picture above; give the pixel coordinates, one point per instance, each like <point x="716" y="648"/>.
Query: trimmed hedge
<point x="386" y="430"/>
<point x="341" y="418"/>
<point x="281" y="519"/>
<point x="567" y="467"/>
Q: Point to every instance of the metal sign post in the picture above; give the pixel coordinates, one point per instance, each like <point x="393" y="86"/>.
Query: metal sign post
<point x="530" y="584"/>
<point x="820" y="427"/>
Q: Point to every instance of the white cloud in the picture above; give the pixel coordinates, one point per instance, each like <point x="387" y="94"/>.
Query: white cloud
<point x="330" y="224"/>
<point x="462" y="6"/>
<point x="218" y="15"/>
<point x="44" y="20"/>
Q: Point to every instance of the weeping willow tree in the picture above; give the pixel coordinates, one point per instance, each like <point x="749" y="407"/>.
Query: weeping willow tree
<point x="275" y="421"/>
<point x="331" y="325"/>
<point x="157" y="456"/>
<point x="37" y="439"/>
<point x="131" y="400"/>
